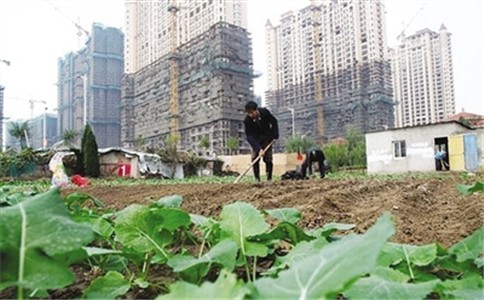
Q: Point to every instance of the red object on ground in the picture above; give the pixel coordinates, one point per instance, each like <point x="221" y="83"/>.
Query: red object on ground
<point x="80" y="181"/>
<point x="299" y="156"/>
<point x="124" y="169"/>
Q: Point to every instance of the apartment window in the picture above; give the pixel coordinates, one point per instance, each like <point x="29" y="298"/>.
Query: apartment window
<point x="399" y="149"/>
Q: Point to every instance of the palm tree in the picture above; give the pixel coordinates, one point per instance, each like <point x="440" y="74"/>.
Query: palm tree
<point x="21" y="131"/>
<point x="69" y="137"/>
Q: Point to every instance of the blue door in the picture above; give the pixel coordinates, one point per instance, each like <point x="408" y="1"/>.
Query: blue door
<point x="470" y="152"/>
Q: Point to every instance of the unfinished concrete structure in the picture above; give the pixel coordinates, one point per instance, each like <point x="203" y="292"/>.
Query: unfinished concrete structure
<point x="89" y="86"/>
<point x="149" y="25"/>
<point x="215" y="79"/>
<point x="330" y="58"/>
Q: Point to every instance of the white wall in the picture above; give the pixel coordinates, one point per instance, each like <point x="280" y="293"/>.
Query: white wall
<point x="419" y="142"/>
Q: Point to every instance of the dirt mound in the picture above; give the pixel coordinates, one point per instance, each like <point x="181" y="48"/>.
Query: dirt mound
<point x="426" y="210"/>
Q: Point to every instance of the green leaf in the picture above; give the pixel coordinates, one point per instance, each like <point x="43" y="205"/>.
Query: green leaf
<point x="283" y="231"/>
<point x="115" y="262"/>
<point x="92" y="251"/>
<point x="138" y="227"/>
<point x="173" y="218"/>
<point x="76" y="200"/>
<point x="479" y="262"/>
<point x="330" y="228"/>
<point x="421" y="255"/>
<point x="198" y="220"/>
<point x="393" y="254"/>
<point x="240" y="220"/>
<point x="108" y="286"/>
<point x="286" y="214"/>
<point x="390" y="274"/>
<point x="224" y="253"/>
<point x="170" y="201"/>
<point x="449" y="263"/>
<point x="468" y="293"/>
<point x="378" y="288"/>
<point x="458" y="288"/>
<point x="469" y="189"/>
<point x="209" y="227"/>
<point x="327" y="272"/>
<point x="99" y="225"/>
<point x="299" y="252"/>
<point x="141" y="283"/>
<point x="32" y="233"/>
<point x="469" y="248"/>
<point x="103" y="227"/>
<point x="225" y="287"/>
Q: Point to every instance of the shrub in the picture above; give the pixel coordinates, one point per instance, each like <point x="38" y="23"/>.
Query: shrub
<point x="90" y="153"/>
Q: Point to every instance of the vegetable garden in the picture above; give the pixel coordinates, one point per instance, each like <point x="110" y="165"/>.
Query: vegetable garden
<point x="407" y="237"/>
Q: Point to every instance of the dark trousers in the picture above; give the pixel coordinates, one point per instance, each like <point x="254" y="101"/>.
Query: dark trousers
<point x="307" y="166"/>
<point x="267" y="158"/>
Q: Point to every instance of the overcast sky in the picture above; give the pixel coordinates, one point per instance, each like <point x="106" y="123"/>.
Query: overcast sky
<point x="35" y="33"/>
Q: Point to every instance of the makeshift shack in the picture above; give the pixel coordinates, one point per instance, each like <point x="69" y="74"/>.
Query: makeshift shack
<point x="127" y="163"/>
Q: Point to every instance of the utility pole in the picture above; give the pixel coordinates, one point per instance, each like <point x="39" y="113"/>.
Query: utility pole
<point x="84" y="98"/>
<point x="292" y="115"/>
<point x="44" y="130"/>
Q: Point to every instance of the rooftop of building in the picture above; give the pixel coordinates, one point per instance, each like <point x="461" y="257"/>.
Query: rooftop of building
<point x="475" y="120"/>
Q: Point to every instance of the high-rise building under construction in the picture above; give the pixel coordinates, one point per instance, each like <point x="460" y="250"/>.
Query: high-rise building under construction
<point x="188" y="72"/>
<point x="149" y="25"/>
<point x="327" y="69"/>
<point x="89" y="86"/>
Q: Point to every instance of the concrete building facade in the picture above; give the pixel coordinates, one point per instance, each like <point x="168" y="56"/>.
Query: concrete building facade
<point x="328" y="63"/>
<point x="89" y="86"/>
<point x="149" y="25"/>
<point x="215" y="80"/>
<point x="423" y="81"/>
<point x="412" y="149"/>
<point x="43" y="131"/>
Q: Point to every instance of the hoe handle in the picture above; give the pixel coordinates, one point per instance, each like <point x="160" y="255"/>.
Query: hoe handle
<point x="254" y="162"/>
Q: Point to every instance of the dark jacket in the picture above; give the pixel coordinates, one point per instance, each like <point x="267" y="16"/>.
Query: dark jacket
<point x="262" y="131"/>
<point x="314" y="154"/>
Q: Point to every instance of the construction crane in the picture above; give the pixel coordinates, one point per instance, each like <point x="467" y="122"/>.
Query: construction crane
<point x="401" y="36"/>
<point x="174" y="116"/>
<point x="32" y="103"/>
<point x="80" y="29"/>
<point x="7" y="62"/>
<point x="316" y="17"/>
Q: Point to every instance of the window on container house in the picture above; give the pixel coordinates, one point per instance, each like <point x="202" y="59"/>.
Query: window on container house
<point x="399" y="149"/>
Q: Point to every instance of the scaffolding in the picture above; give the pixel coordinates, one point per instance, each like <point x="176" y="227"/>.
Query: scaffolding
<point x="215" y="79"/>
<point x="359" y="96"/>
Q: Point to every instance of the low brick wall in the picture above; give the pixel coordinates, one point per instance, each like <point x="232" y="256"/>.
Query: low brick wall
<point x="283" y="162"/>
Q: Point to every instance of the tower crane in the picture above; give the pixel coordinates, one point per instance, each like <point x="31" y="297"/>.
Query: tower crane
<point x="402" y="33"/>
<point x="174" y="130"/>
<point x="32" y="102"/>
<point x="316" y="17"/>
<point x="80" y="29"/>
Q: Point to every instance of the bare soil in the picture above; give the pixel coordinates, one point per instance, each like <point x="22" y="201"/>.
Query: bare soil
<point x="425" y="210"/>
